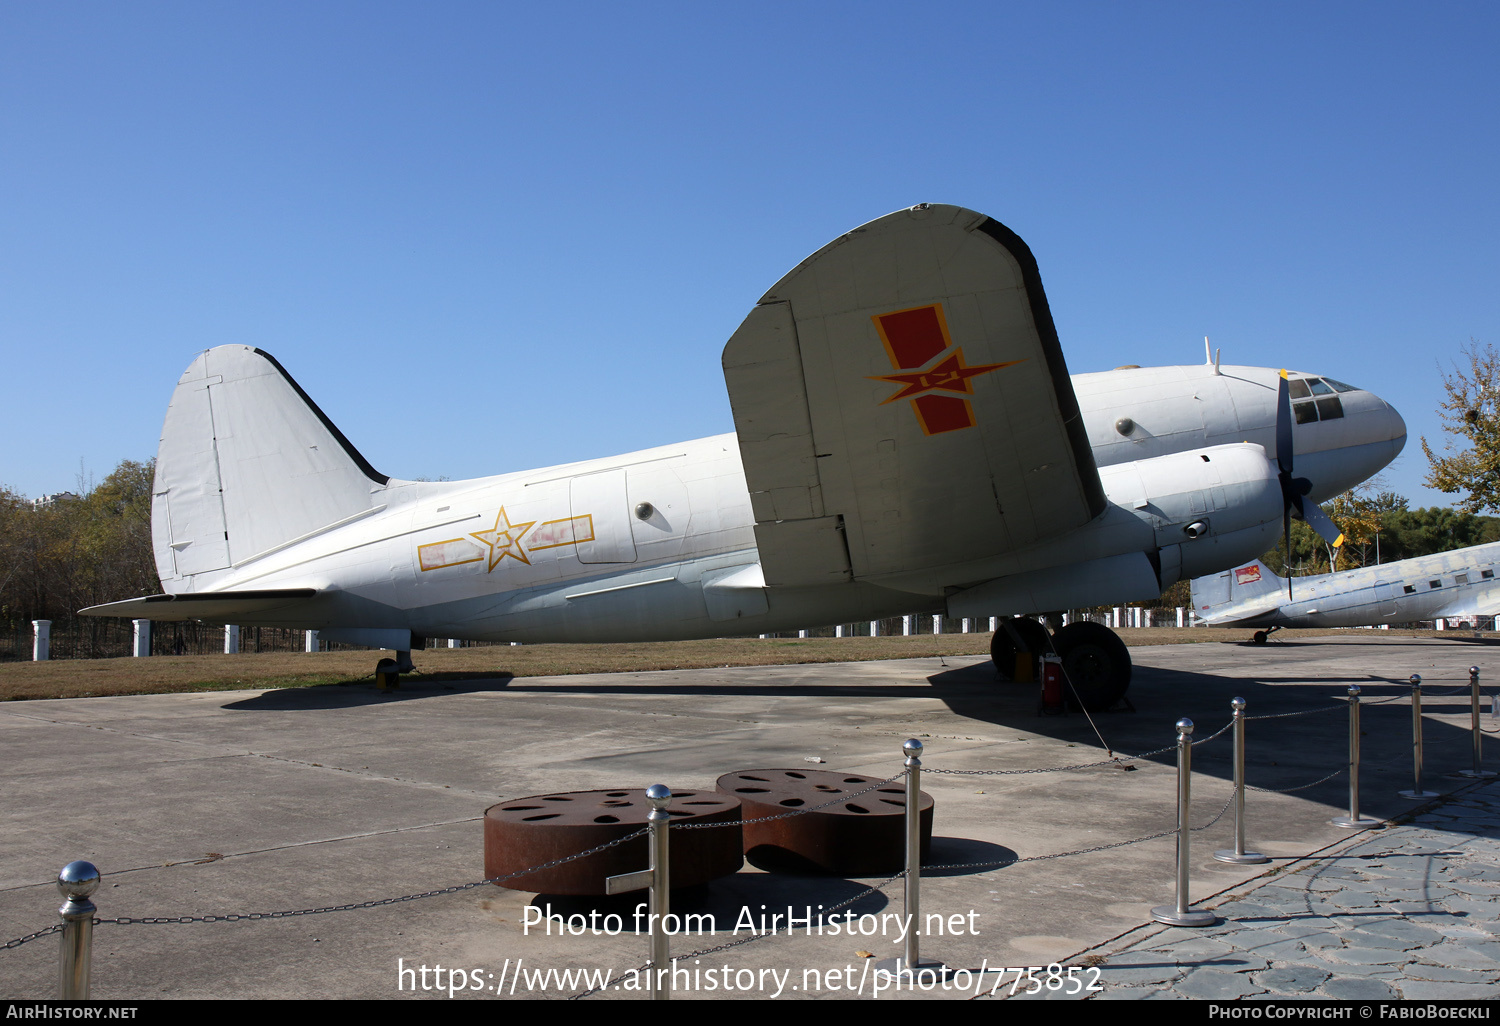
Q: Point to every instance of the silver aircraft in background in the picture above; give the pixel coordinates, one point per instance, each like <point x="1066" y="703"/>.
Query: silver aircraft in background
<point x="908" y="438"/>
<point x="1460" y="583"/>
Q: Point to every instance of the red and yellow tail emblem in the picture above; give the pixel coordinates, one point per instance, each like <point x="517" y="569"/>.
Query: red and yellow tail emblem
<point x="927" y="362"/>
<point x="1246" y="575"/>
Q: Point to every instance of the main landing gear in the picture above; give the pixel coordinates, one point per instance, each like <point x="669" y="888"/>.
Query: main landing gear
<point x="388" y="671"/>
<point x="1096" y="663"/>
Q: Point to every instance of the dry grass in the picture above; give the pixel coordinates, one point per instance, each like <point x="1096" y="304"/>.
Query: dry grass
<point x="81" y="678"/>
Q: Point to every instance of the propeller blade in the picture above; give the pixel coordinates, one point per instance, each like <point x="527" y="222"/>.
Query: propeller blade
<point x="1284" y="426"/>
<point x="1320" y="522"/>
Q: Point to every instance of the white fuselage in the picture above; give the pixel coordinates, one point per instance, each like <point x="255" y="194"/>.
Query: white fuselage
<point x="1457" y="583"/>
<point x="660" y="544"/>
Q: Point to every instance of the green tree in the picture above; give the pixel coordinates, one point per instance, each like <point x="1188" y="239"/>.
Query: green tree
<point x="1471" y="411"/>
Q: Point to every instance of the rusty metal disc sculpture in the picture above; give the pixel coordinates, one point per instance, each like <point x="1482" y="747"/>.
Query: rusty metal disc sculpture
<point x="864" y="836"/>
<point x="528" y="832"/>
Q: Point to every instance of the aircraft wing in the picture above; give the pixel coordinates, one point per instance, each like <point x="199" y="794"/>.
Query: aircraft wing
<point x="217" y="606"/>
<point x="903" y="407"/>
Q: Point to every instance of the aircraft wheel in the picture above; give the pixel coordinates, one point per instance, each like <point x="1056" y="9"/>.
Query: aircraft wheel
<point x="1003" y="650"/>
<point x="1096" y="662"/>
<point x="1259" y="638"/>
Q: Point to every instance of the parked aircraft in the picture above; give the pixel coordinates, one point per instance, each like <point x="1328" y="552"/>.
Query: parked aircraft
<point x="908" y="438"/>
<point x="1457" y="583"/>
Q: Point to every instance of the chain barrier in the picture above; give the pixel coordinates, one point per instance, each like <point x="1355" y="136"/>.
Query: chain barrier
<point x="49" y="931"/>
<point x="1300" y="787"/>
<point x="256" y="916"/>
<point x="1115" y="761"/>
<point x="1228" y="802"/>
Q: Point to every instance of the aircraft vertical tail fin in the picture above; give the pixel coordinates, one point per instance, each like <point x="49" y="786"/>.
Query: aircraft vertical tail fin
<point x="1237" y="593"/>
<point x="247" y="462"/>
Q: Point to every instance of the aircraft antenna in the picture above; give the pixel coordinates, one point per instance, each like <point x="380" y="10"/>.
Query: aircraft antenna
<point x="1217" y="354"/>
<point x="1208" y="354"/>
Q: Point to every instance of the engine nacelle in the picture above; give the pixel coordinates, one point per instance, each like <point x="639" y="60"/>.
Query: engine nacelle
<point x="1178" y="516"/>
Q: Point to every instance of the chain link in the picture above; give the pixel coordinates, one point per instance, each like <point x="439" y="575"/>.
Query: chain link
<point x="1300" y="787"/>
<point x="255" y="916"/>
<point x="49" y="931"/>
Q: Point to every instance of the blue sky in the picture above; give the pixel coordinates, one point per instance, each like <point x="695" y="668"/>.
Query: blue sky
<point x="488" y="237"/>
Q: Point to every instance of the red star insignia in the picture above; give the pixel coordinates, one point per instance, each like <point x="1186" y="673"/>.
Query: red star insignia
<point x="950" y="375"/>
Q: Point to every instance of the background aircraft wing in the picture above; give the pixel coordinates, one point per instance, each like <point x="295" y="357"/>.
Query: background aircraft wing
<point x="904" y="409"/>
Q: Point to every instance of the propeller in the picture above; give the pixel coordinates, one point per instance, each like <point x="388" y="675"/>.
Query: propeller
<point x="1294" y="489"/>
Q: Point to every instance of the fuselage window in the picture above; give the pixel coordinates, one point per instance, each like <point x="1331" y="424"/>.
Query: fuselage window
<point x="1410" y="589"/>
<point x="1330" y="408"/>
<point x="1307" y="412"/>
<point x="1487" y="574"/>
<point x="1298" y="388"/>
<point x="1318" y="387"/>
<point x="1339" y="386"/>
<point x="1461" y="579"/>
<point x="1435" y="584"/>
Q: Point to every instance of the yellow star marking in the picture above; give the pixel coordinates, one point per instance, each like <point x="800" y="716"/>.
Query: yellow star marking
<point x="504" y="539"/>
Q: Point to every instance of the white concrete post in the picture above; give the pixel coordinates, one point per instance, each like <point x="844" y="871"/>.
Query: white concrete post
<point x="937" y="623"/>
<point x="231" y="638"/>
<point x="874" y="628"/>
<point x="312" y="641"/>
<point x="838" y="631"/>
<point x="802" y="633"/>
<point x="454" y="643"/>
<point x="965" y="627"/>
<point x="1181" y="618"/>
<point x="994" y="624"/>
<point x="1115" y="615"/>
<point x="41" y="640"/>
<point x="906" y="626"/>
<point x="1440" y="623"/>
<point x="142" y="643"/>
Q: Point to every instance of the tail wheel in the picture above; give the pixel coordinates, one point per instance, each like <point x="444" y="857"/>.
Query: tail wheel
<point x="1096" y="663"/>
<point x="1003" y="650"/>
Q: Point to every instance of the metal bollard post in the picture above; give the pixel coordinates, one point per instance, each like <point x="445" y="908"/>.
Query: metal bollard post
<point x="911" y="964"/>
<point x="1354" y="821"/>
<point x="1239" y="856"/>
<point x="1416" y="741"/>
<point x="1180" y="914"/>
<point x="76" y="882"/>
<point x="658" y="878"/>
<point x="1478" y="770"/>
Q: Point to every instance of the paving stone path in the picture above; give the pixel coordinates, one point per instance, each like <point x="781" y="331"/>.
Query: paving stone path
<point x="1409" y="912"/>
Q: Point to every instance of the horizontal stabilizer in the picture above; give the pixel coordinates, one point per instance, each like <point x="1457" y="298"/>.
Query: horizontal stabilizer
<point x="1242" y="593"/>
<point x="219" y="607"/>
<point x="903" y="409"/>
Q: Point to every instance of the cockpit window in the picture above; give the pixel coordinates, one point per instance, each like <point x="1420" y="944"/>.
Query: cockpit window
<point x="1314" y="398"/>
<point x="1330" y="408"/>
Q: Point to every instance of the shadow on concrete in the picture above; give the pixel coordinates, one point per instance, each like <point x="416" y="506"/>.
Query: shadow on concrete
<point x="1297" y="728"/>
<point x="744" y="899"/>
<point x="353" y="694"/>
